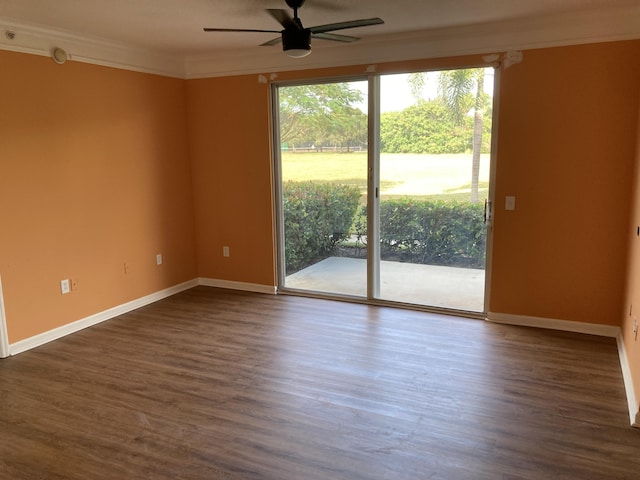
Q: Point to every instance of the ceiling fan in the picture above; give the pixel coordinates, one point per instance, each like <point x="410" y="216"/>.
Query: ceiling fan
<point x="296" y="39"/>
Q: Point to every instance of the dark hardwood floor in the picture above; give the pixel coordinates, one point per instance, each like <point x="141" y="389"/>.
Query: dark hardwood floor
<point x="216" y="384"/>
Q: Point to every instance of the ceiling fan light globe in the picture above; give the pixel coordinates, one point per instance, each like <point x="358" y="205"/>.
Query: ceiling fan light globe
<point x="297" y="52"/>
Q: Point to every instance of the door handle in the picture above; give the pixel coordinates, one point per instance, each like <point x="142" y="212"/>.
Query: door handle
<point x="487" y="210"/>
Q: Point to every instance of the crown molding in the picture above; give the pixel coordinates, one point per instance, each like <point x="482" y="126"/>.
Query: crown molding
<point x="39" y="40"/>
<point x="590" y="26"/>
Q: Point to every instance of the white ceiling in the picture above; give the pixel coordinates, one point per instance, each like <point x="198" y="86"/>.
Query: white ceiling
<point x="172" y="29"/>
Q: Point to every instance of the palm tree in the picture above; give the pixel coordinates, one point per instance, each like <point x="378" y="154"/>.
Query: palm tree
<point x="456" y="89"/>
<point x="416" y="82"/>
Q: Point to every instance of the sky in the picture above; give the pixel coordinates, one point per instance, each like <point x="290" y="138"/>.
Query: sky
<point x="395" y="94"/>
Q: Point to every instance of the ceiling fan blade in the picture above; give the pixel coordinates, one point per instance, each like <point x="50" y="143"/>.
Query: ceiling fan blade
<point x="334" y="37"/>
<point x="284" y="19"/>
<point x="271" y="43"/>
<point x="330" y="27"/>
<point x="207" y="29"/>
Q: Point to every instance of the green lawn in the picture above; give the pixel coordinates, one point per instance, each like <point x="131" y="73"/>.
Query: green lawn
<point x="343" y="168"/>
<point x="444" y="177"/>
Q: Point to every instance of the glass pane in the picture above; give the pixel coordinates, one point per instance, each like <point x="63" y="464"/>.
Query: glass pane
<point x="323" y="137"/>
<point x="433" y="187"/>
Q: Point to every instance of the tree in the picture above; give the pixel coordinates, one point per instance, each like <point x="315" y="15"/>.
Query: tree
<point x="423" y="128"/>
<point x="463" y="90"/>
<point x="352" y="128"/>
<point x="321" y="113"/>
<point x="416" y="83"/>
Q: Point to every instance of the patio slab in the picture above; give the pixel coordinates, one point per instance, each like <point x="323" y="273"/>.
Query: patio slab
<point x="446" y="287"/>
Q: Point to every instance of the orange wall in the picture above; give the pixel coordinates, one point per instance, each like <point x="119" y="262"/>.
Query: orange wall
<point x="566" y="150"/>
<point x="566" y="141"/>
<point x="100" y="167"/>
<point x="94" y="173"/>
<point x="232" y="184"/>
<point x="632" y="294"/>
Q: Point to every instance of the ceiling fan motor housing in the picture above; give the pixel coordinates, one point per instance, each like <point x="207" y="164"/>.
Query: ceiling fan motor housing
<point x="295" y="3"/>
<point x="296" y="39"/>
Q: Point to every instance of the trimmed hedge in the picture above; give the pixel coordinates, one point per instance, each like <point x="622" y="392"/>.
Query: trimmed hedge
<point x="319" y="216"/>
<point x="433" y="232"/>
<point x="316" y="218"/>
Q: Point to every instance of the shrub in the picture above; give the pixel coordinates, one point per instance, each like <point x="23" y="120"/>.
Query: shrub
<point x="316" y="218"/>
<point x="424" y="128"/>
<point x="432" y="232"/>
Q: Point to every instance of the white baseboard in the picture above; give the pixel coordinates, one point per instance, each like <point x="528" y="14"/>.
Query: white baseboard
<point x="247" y="287"/>
<point x="553" y="324"/>
<point x="56" y="333"/>
<point x="4" y="338"/>
<point x="632" y="401"/>
<point x="588" y="328"/>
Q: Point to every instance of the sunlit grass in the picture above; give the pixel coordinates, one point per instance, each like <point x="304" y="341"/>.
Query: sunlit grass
<point x="428" y="177"/>
<point x="343" y="168"/>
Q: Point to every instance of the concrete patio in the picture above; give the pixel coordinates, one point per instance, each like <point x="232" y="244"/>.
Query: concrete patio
<point x="446" y="287"/>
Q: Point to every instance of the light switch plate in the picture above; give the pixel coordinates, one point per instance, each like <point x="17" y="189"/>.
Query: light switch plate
<point x="510" y="203"/>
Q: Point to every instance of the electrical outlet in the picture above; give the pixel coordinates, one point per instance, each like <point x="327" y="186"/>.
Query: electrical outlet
<point x="64" y="286"/>
<point x="159" y="259"/>
<point x="225" y="252"/>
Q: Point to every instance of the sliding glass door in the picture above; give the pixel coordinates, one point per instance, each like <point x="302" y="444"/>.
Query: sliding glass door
<point x="323" y="183"/>
<point x="434" y="182"/>
<point x="384" y="185"/>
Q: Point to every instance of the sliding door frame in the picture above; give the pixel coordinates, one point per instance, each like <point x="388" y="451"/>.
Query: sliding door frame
<point x="491" y="203"/>
<point x="4" y="339"/>
<point x="373" y="190"/>
<point x="281" y="270"/>
<point x="276" y="163"/>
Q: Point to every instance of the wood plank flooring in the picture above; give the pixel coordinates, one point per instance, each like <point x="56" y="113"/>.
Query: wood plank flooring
<point x="217" y="384"/>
